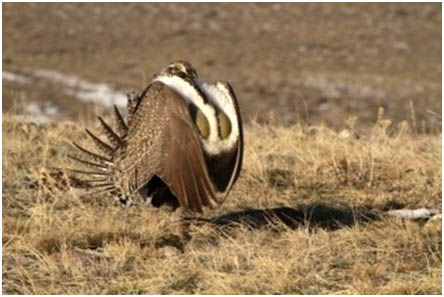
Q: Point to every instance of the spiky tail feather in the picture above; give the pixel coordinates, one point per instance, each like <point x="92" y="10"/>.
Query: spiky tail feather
<point x="122" y="127"/>
<point x="133" y="100"/>
<point x="100" y="178"/>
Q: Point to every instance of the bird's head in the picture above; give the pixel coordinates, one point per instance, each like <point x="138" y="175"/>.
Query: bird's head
<point x="180" y="68"/>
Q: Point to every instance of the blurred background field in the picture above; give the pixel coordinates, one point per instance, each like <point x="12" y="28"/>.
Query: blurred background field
<point x="304" y="61"/>
<point x="342" y="112"/>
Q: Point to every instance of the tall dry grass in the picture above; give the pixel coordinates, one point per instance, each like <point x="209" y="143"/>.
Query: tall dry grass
<point x="56" y="240"/>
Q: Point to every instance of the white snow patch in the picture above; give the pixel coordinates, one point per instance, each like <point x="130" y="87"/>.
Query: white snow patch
<point x="41" y="113"/>
<point x="14" y="77"/>
<point x="99" y="93"/>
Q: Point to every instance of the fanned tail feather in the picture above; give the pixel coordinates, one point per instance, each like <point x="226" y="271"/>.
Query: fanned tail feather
<point x="91" y="181"/>
<point x="101" y="174"/>
<point x="100" y="177"/>
<point x="90" y="164"/>
<point x="133" y="98"/>
<point x="94" y="156"/>
<point x="101" y="184"/>
<point x="104" y="147"/>
<point x="115" y="139"/>
<point x="122" y="127"/>
<point x="89" y="173"/>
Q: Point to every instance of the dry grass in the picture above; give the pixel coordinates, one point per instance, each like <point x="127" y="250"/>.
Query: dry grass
<point x="57" y="242"/>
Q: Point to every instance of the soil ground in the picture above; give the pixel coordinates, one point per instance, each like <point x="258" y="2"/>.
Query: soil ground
<point x="303" y="61"/>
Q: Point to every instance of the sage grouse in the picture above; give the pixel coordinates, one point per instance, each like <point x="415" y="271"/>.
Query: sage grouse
<point x="182" y="143"/>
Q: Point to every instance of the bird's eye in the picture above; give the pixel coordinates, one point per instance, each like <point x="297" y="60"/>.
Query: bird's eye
<point x="193" y="73"/>
<point x="224" y="125"/>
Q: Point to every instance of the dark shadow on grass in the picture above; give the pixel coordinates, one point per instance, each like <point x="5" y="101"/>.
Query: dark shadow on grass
<point x="314" y="216"/>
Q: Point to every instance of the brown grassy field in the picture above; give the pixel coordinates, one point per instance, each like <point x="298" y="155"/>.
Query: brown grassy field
<point x="329" y="188"/>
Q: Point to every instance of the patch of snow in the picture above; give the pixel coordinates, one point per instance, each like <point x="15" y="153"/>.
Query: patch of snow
<point x="41" y="113"/>
<point x="99" y="93"/>
<point x="14" y="77"/>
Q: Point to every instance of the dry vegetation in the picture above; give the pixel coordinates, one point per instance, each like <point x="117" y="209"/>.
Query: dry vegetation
<point x="58" y="241"/>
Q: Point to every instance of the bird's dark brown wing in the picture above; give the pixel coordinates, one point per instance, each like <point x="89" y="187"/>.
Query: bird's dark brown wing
<point x="183" y="167"/>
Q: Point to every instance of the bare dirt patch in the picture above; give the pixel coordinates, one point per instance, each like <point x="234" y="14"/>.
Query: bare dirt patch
<point x="304" y="61"/>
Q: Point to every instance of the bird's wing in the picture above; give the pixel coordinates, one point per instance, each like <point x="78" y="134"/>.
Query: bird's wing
<point x="183" y="167"/>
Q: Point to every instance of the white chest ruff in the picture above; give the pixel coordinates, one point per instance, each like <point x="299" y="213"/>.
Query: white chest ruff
<point x="219" y="97"/>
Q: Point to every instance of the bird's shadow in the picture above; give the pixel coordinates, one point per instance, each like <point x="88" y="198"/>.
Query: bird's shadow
<point x="316" y="215"/>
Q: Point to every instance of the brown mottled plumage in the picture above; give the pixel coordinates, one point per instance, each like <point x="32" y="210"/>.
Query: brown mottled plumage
<point x="182" y="144"/>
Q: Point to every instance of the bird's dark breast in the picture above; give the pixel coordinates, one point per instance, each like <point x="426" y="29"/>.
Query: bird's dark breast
<point x="220" y="168"/>
<point x="160" y="193"/>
